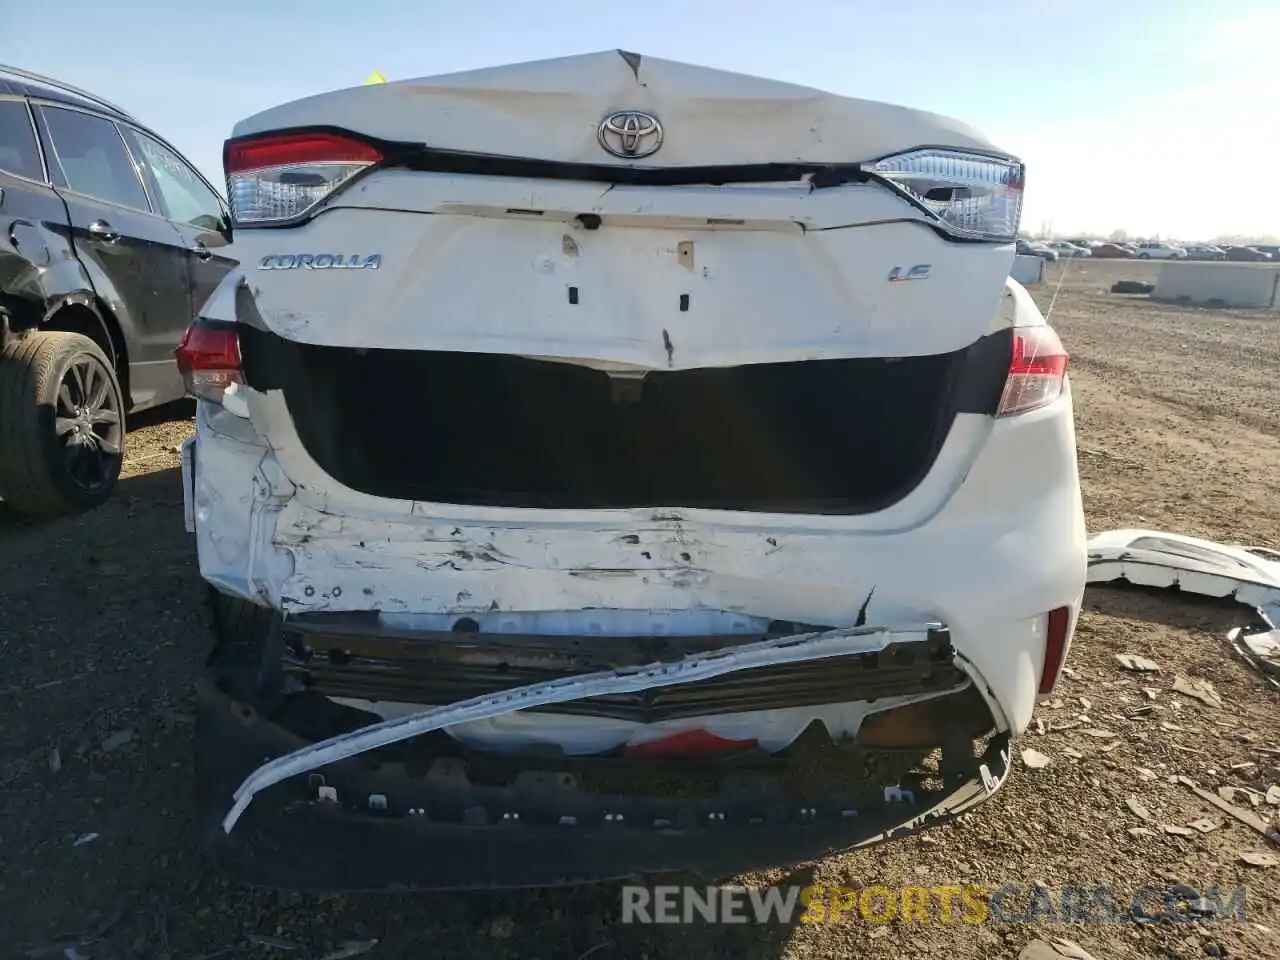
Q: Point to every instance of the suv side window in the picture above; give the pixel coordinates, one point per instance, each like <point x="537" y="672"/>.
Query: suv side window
<point x="93" y="157"/>
<point x="186" y="198"/>
<point x="18" y="151"/>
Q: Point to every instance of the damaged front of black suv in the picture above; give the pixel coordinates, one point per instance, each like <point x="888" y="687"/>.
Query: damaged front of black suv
<point x="301" y="790"/>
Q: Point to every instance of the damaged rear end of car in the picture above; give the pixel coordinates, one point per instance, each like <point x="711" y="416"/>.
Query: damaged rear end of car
<point x="611" y="466"/>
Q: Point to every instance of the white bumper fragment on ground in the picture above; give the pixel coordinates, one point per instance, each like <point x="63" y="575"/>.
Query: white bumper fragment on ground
<point x="705" y="666"/>
<point x="1249" y="575"/>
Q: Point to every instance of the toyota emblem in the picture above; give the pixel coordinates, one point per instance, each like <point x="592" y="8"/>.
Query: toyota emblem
<point x="630" y="134"/>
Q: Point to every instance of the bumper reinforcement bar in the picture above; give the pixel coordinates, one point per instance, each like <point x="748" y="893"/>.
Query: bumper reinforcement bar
<point x="372" y="663"/>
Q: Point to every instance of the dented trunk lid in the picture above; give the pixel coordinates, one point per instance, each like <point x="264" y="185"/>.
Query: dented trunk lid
<point x="567" y="342"/>
<point x="548" y="259"/>
<point x="552" y="109"/>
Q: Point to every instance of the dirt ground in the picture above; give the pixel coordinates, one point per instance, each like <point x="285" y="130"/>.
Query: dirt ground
<point x="102" y="631"/>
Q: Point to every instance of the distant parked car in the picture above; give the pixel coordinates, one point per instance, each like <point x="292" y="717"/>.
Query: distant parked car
<point x="1032" y="248"/>
<point x="1270" y="249"/>
<point x="1205" y="251"/>
<point x="1112" y="251"/>
<point x="1251" y="254"/>
<point x="1159" y="250"/>
<point x="1065" y="248"/>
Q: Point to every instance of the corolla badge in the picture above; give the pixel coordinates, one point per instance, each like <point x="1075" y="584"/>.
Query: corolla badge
<point x="919" y="272"/>
<point x="630" y="134"/>
<point x="320" y="261"/>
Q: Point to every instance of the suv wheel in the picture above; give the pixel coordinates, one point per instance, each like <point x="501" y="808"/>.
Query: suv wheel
<point x="61" y="425"/>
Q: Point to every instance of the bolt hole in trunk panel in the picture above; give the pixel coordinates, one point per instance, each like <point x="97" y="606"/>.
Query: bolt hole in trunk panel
<point x="824" y="436"/>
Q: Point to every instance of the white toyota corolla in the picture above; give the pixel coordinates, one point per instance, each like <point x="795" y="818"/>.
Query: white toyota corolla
<point x="610" y="465"/>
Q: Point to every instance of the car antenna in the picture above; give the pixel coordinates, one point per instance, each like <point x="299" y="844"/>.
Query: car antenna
<point x="1058" y="289"/>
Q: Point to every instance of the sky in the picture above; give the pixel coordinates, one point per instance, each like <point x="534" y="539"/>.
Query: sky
<point x="1130" y="114"/>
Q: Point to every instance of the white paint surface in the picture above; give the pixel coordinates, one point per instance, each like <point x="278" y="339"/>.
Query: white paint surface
<point x="550" y="109"/>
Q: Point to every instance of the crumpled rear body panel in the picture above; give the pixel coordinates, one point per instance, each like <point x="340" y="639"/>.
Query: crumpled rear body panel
<point x="981" y="559"/>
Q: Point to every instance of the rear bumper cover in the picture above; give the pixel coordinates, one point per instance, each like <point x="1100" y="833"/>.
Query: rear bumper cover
<point x="361" y="825"/>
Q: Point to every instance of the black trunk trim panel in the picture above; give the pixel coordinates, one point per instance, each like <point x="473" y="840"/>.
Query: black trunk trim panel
<point x="820" y="437"/>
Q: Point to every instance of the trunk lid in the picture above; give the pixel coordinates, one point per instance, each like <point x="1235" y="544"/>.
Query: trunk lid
<point x="553" y="339"/>
<point x="646" y="287"/>
<point x="551" y="110"/>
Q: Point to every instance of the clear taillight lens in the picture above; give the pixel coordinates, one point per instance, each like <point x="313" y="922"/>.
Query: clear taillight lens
<point x="279" y="177"/>
<point x="209" y="359"/>
<point x="971" y="195"/>
<point x="1037" y="371"/>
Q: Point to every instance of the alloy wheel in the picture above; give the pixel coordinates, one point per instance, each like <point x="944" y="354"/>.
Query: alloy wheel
<point x="87" y="421"/>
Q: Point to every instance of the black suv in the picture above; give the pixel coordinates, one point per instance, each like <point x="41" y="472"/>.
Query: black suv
<point x="109" y="245"/>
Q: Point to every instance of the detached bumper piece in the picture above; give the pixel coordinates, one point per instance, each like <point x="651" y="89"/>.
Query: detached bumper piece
<point x="346" y="659"/>
<point x="347" y="812"/>
<point x="361" y="825"/>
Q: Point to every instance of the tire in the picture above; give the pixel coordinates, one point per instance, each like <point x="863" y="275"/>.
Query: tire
<point x="240" y="627"/>
<point x="62" y="425"/>
<point x="1144" y="256"/>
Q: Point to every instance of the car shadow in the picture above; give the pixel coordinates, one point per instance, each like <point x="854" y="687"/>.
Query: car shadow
<point x="1169" y="607"/>
<point x="574" y="922"/>
<point x="137" y="531"/>
<point x="181" y="411"/>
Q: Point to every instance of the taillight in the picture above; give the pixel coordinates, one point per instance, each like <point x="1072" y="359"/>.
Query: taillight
<point x="1037" y="370"/>
<point x="1055" y="648"/>
<point x="969" y="194"/>
<point x="280" y="176"/>
<point x="209" y="359"/>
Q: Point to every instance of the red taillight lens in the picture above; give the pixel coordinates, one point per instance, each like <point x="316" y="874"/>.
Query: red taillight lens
<point x="1037" y="370"/>
<point x="209" y="359"/>
<point x="687" y="743"/>
<point x="286" y="149"/>
<point x="1055" y="648"/>
<point x="278" y="177"/>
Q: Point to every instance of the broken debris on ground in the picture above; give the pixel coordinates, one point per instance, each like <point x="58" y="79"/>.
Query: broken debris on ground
<point x="1248" y="575"/>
